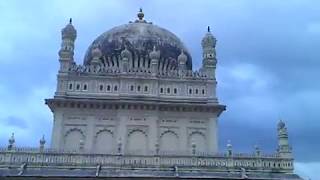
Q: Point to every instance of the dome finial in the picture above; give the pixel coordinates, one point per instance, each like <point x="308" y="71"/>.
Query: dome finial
<point x="70" y="21"/>
<point x="140" y="14"/>
<point x="208" y="28"/>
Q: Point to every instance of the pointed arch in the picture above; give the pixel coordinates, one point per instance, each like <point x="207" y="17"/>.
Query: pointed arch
<point x="104" y="141"/>
<point x="72" y="139"/>
<point x="199" y="138"/>
<point x="137" y="141"/>
<point x="169" y="141"/>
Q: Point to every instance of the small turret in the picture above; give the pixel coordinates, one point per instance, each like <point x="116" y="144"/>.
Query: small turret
<point x="229" y="148"/>
<point x="42" y="143"/>
<point x="11" y="142"/>
<point x="140" y="16"/>
<point x="154" y="56"/>
<point x="257" y="150"/>
<point x="96" y="55"/>
<point x="284" y="149"/>
<point x="209" y="54"/>
<point x="182" y="60"/>
<point x="69" y="32"/>
<point x="66" y="52"/>
<point x="126" y="57"/>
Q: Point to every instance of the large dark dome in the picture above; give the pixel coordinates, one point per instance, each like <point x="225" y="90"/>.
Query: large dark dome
<point x="139" y="37"/>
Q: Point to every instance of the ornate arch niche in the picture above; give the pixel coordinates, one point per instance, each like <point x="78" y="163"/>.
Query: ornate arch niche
<point x="199" y="138"/>
<point x="137" y="141"/>
<point x="72" y="139"/>
<point x="104" y="141"/>
<point x="169" y="141"/>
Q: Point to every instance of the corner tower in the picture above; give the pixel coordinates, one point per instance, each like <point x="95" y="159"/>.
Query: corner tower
<point x="284" y="149"/>
<point x="209" y="61"/>
<point x="66" y="52"/>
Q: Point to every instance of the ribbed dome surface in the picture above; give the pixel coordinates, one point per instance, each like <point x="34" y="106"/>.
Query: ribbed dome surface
<point x="139" y="37"/>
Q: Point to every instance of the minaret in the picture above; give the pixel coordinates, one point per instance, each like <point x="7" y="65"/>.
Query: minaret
<point x="209" y="54"/>
<point x="66" y="52"/>
<point x="284" y="149"/>
<point x="154" y="56"/>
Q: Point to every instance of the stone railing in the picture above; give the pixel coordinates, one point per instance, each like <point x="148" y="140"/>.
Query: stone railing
<point x="221" y="162"/>
<point x="101" y="70"/>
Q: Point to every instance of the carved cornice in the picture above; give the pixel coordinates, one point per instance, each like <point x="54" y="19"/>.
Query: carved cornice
<point x="116" y="104"/>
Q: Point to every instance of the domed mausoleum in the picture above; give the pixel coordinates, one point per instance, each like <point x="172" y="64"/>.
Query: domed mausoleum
<point x="135" y="109"/>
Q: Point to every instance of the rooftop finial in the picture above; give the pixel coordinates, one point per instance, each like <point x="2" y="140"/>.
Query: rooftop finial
<point x="70" y="21"/>
<point x="140" y="14"/>
<point x="208" y="28"/>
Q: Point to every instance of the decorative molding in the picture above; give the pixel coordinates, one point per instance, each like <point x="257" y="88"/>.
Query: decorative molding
<point x="103" y="130"/>
<point x="142" y="129"/>
<point x="74" y="129"/>
<point x="169" y="131"/>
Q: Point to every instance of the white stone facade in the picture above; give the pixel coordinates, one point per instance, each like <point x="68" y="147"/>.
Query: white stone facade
<point x="136" y="103"/>
<point x="137" y="128"/>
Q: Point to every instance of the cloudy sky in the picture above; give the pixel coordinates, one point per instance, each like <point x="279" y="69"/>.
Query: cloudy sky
<point x="268" y="63"/>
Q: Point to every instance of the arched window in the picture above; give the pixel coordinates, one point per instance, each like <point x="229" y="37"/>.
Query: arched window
<point x="85" y="87"/>
<point x="131" y="88"/>
<point x="108" y="88"/>
<point x="168" y="90"/>
<point x="115" y="88"/>
<point x="146" y="89"/>
<point x="101" y="87"/>
<point x="70" y="86"/>
<point x="78" y="87"/>
<point x="203" y="92"/>
<point x="190" y="91"/>
<point x="161" y="90"/>
<point x="138" y="88"/>
<point x="175" y="90"/>
<point x="197" y="91"/>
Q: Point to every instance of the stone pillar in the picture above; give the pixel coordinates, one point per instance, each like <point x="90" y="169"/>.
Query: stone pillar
<point x="153" y="131"/>
<point x="212" y="135"/>
<point x="122" y="130"/>
<point x="57" y="136"/>
<point x="89" y="141"/>
<point x="183" y="138"/>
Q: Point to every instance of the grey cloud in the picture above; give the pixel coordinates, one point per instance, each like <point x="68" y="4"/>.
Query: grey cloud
<point x="14" y="121"/>
<point x="280" y="38"/>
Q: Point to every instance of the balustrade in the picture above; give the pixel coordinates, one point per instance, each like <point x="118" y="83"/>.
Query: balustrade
<point x="52" y="157"/>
